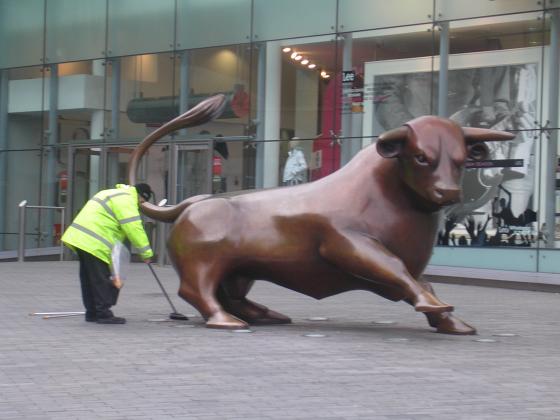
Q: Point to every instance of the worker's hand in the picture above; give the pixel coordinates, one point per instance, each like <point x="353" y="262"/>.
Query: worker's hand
<point x="117" y="282"/>
<point x="148" y="260"/>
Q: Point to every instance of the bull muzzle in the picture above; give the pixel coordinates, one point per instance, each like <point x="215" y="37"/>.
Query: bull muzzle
<point x="446" y="196"/>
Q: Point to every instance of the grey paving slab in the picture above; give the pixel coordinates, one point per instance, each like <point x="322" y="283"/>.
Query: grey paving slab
<point x="370" y="359"/>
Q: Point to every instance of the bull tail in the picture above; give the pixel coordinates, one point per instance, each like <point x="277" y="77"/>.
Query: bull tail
<point x="204" y="112"/>
<point x="170" y="214"/>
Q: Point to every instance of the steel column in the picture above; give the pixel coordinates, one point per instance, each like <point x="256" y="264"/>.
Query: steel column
<point x="261" y="87"/>
<point x="52" y="140"/>
<point x="345" y="111"/>
<point x="4" y="90"/>
<point x="552" y="146"/>
<point x="443" y="69"/>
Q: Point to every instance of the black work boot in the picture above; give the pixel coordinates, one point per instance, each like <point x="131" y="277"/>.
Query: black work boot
<point x="91" y="316"/>
<point x="111" y="320"/>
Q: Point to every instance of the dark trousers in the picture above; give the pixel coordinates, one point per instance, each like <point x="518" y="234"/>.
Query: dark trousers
<point x="98" y="292"/>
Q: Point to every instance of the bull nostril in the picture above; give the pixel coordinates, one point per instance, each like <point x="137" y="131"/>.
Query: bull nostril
<point x="447" y="196"/>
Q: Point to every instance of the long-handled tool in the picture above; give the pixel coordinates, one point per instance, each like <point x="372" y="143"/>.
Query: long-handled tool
<point x="58" y="313"/>
<point x="173" y="315"/>
<point x="49" y="315"/>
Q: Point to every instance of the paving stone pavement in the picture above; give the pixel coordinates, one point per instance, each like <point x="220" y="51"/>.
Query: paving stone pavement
<point x="370" y="359"/>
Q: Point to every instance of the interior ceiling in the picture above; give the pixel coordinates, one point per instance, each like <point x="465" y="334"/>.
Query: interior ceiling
<point x="504" y="35"/>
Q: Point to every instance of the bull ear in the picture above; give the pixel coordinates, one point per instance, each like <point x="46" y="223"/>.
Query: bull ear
<point x="390" y="144"/>
<point x="473" y="134"/>
<point x="477" y="151"/>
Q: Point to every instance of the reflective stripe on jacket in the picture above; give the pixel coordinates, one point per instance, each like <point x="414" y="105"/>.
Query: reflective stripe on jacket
<point x="109" y="216"/>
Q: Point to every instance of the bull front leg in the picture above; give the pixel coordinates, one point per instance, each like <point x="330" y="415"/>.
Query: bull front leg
<point x="368" y="259"/>
<point x="445" y="322"/>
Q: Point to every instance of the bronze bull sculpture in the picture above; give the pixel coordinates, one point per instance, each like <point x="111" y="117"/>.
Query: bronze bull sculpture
<point x="371" y="225"/>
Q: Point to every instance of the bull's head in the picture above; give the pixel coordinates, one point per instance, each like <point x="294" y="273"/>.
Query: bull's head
<point x="432" y="152"/>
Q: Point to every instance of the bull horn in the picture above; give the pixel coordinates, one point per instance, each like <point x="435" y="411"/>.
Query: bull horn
<point x="204" y="112"/>
<point x="395" y="134"/>
<point x="390" y="143"/>
<point x="483" y="134"/>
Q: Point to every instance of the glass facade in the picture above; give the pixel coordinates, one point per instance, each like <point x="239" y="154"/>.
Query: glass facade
<point x="83" y="81"/>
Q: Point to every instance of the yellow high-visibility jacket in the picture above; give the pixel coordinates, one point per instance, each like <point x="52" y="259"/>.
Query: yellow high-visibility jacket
<point x="109" y="216"/>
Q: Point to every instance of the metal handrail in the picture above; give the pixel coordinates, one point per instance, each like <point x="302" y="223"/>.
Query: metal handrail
<point x="22" y="212"/>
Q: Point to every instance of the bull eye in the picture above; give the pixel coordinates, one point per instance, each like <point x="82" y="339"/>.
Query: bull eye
<point x="421" y="159"/>
<point x="478" y="151"/>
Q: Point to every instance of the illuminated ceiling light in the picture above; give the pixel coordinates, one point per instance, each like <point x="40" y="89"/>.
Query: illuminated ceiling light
<point x="287" y="49"/>
<point x="294" y="55"/>
<point x="312" y="66"/>
<point x="305" y="61"/>
<point x="326" y="76"/>
<point x="298" y="57"/>
<point x="323" y="73"/>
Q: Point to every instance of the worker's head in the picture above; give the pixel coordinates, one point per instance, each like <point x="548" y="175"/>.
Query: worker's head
<point x="144" y="192"/>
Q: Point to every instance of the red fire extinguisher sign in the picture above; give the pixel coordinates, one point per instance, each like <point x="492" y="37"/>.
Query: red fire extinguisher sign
<point x="217" y="166"/>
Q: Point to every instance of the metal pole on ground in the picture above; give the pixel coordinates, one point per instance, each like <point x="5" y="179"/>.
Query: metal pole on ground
<point x="21" y="246"/>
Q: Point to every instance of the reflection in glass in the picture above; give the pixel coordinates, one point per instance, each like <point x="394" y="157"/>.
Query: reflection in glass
<point x="146" y="93"/>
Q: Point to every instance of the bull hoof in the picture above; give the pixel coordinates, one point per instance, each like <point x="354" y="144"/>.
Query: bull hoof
<point x="427" y="302"/>
<point x="445" y="323"/>
<point x="256" y="314"/>
<point x="225" y="321"/>
<point x="271" y="317"/>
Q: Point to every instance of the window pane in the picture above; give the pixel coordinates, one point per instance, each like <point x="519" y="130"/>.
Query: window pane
<point x="146" y="93"/>
<point x="291" y="18"/>
<point x="460" y="9"/>
<point x="552" y="4"/>
<point x="81" y="94"/>
<point x="75" y="30"/>
<point x="399" y="84"/>
<point x="27" y="102"/>
<point x="501" y="33"/>
<point x="355" y="15"/>
<point x="140" y="26"/>
<point x="203" y="23"/>
<point x="229" y="70"/>
<point x="21" y="32"/>
<point x="310" y="109"/>
<point x="23" y="172"/>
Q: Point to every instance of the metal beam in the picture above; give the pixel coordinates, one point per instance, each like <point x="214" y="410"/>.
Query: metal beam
<point x="552" y="147"/>
<point x="443" y="69"/>
<point x="4" y="89"/>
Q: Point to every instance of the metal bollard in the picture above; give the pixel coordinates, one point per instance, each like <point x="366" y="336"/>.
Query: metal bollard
<point x="21" y="247"/>
<point x="160" y="241"/>
<point x="62" y="227"/>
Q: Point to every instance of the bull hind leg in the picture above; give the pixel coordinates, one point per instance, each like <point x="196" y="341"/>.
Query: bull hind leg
<point x="232" y="294"/>
<point x="199" y="284"/>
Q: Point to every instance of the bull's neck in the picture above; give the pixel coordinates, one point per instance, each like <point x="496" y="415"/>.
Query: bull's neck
<point x="383" y="176"/>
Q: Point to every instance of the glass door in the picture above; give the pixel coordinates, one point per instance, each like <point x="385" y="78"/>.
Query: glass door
<point x="193" y="170"/>
<point x="84" y="171"/>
